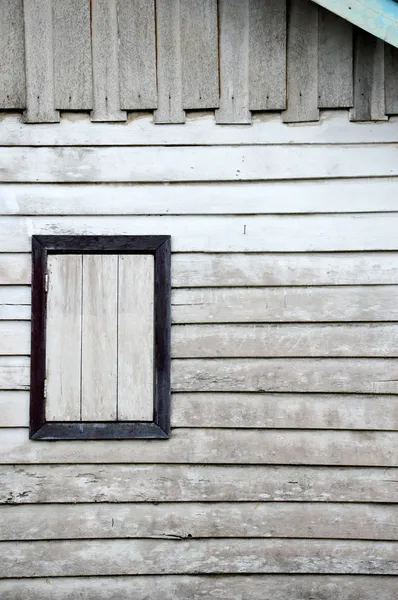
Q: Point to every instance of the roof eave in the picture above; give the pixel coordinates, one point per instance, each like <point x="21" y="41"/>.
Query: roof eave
<point x="379" y="17"/>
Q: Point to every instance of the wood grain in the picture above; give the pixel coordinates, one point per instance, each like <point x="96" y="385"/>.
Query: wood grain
<point x="200" y="130"/>
<point x="137" y="54"/>
<point x="99" y="338"/>
<point x="290" y="304"/>
<point x="12" y="52"/>
<point x="72" y="55"/>
<point x="217" y="446"/>
<point x="234" y="62"/>
<point x="105" y="56"/>
<point x="21" y="484"/>
<point x="267" y="55"/>
<point x="334" y="375"/>
<point x="38" y="26"/>
<point x="14" y="373"/>
<point x="200" y="520"/>
<point x="335" y="61"/>
<point x="391" y="79"/>
<point x="169" y="62"/>
<point x="106" y="557"/>
<point x="284" y="340"/>
<point x="297" y="197"/>
<point x="199" y="53"/>
<point x="248" y="270"/>
<point x="222" y="234"/>
<point x="302" y="63"/>
<point x="180" y="587"/>
<point x="174" y="164"/>
<point x="369" y="94"/>
<point x="135" y="392"/>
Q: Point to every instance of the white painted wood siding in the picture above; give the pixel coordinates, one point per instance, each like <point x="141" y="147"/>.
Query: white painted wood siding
<point x="284" y="369"/>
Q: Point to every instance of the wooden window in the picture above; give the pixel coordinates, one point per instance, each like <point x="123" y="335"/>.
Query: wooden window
<point x="100" y="366"/>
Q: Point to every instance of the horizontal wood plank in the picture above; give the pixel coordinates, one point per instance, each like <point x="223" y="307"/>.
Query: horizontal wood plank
<point x="253" y="270"/>
<point x="317" y="196"/>
<point x="26" y="484"/>
<point x="151" y="164"/>
<point x="14" y="372"/>
<point x="253" y="340"/>
<point x="307" y="411"/>
<point x="254" y="305"/>
<point x="129" y="557"/>
<point x="284" y="340"/>
<point x="214" y="446"/>
<point x="270" y="411"/>
<point x="181" y="587"/>
<point x="344" y="375"/>
<point x="291" y="304"/>
<point x="193" y="520"/>
<point x="77" y="130"/>
<point x="273" y="233"/>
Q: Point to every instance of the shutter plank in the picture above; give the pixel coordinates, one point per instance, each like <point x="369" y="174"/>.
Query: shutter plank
<point x="39" y="62"/>
<point x="169" y="62"/>
<point x="72" y="54"/>
<point x="369" y="95"/>
<point x="302" y="63"/>
<point x="106" y="97"/>
<point x="391" y="79"/>
<point x="234" y="62"/>
<point x="136" y="338"/>
<point x="267" y="54"/>
<point x="99" y="338"/>
<point x="12" y="47"/>
<point x="199" y="50"/>
<point x="137" y="57"/>
<point x="335" y="64"/>
<point x="63" y="343"/>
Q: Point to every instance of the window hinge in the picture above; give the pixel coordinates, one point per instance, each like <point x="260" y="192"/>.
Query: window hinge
<point x="46" y="283"/>
<point x="45" y="389"/>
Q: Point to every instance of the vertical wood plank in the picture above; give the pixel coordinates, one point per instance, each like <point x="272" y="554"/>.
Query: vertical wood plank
<point x="267" y="54"/>
<point x="136" y="338"/>
<point x="12" y="49"/>
<point x="335" y="61"/>
<point x="105" y="56"/>
<point x="99" y="337"/>
<point x="169" y="63"/>
<point x="369" y="96"/>
<point x="302" y="63"/>
<point x="234" y="62"/>
<point x="63" y="344"/>
<point x="199" y="49"/>
<point x="391" y="79"/>
<point x="137" y="56"/>
<point x="39" y="62"/>
<point x="72" y="54"/>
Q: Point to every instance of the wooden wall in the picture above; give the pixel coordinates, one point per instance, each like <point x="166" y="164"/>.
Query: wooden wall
<point x="172" y="56"/>
<point x="280" y="477"/>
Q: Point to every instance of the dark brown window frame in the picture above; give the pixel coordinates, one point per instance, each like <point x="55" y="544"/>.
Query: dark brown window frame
<point x="160" y="247"/>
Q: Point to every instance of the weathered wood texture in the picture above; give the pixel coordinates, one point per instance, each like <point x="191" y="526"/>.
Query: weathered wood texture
<point x="214" y="446"/>
<point x="137" y="54"/>
<point x="302" y="63"/>
<point x="254" y="410"/>
<point x="64" y="310"/>
<point x="12" y="51"/>
<point x="130" y="557"/>
<point x="72" y="54"/>
<point x="21" y="484"/>
<point x="199" y="520"/>
<point x="40" y="92"/>
<point x="238" y="587"/>
<point x="177" y="55"/>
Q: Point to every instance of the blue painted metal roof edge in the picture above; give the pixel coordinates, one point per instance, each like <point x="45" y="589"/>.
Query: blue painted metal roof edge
<point x="379" y="17"/>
